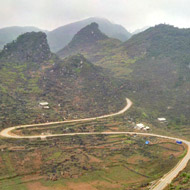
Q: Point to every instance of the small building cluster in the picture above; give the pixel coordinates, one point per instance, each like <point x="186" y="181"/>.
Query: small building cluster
<point x="141" y="126"/>
<point x="44" y="105"/>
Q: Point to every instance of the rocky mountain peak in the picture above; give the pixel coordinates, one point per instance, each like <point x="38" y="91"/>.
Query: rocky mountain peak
<point x="29" y="47"/>
<point x="87" y="35"/>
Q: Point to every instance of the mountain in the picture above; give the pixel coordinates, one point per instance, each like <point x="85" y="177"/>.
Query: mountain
<point x="92" y="43"/>
<point x="162" y="66"/>
<point x="86" y="39"/>
<point x="161" y="39"/>
<point x="61" y="36"/>
<point x="73" y="87"/>
<point x="96" y="47"/>
<point x="159" y="68"/>
<point x="9" y="34"/>
<point x="156" y="64"/>
<point x="29" y="47"/>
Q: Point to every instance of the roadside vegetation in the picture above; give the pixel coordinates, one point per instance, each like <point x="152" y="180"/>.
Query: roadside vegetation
<point x="182" y="182"/>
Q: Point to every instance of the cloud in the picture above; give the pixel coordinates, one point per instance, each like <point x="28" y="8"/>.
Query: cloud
<point x="132" y="14"/>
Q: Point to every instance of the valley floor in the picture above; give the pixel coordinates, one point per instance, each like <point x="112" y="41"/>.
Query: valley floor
<point x="113" y="160"/>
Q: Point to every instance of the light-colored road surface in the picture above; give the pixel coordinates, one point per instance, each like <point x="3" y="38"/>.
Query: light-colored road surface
<point x="7" y="132"/>
<point x="160" y="185"/>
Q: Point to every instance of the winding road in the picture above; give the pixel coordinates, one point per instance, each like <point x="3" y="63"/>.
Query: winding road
<point x="159" y="185"/>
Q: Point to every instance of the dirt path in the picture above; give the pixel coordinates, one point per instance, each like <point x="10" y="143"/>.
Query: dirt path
<point x="7" y="132"/>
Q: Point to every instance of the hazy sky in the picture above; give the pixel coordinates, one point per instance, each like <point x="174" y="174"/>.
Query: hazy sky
<point x="132" y="14"/>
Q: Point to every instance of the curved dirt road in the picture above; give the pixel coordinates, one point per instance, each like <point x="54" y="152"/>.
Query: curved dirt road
<point x="160" y="185"/>
<point x="7" y="132"/>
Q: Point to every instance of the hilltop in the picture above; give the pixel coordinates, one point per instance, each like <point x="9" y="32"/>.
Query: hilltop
<point x="161" y="39"/>
<point x="84" y="40"/>
<point x="88" y="35"/>
<point x="29" y="47"/>
<point x="89" y="41"/>
<point x="8" y="34"/>
<point x="162" y="59"/>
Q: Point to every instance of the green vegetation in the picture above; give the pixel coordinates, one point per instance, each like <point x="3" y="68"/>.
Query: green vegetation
<point x="154" y="67"/>
<point x="14" y="183"/>
<point x="120" y="162"/>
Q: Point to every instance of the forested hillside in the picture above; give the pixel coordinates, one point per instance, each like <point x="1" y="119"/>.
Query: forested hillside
<point x="156" y="64"/>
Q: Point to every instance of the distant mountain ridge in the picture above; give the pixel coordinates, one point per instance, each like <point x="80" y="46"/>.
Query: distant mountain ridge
<point x="61" y="36"/>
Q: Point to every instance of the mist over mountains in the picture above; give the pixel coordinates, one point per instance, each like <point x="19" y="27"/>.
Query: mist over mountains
<point x="61" y="36"/>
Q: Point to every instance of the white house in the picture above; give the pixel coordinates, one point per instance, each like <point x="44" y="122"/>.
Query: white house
<point x="139" y="126"/>
<point x="43" y="103"/>
<point x="146" y="128"/>
<point x="46" y="107"/>
<point x="162" y="119"/>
